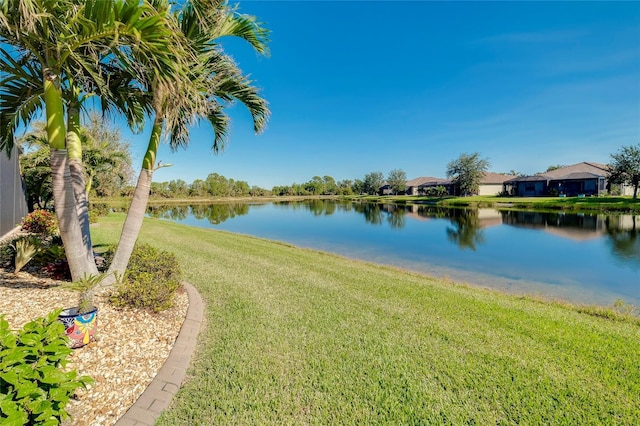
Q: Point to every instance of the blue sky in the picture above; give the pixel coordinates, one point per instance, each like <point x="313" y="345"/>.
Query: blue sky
<point x="356" y="87"/>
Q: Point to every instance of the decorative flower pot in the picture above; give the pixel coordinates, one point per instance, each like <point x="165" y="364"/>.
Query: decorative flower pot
<point x="80" y="328"/>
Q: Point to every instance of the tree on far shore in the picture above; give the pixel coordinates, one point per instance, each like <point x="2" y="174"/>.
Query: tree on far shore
<point x="467" y="172"/>
<point x="397" y="181"/>
<point x="624" y="168"/>
<point x="372" y="182"/>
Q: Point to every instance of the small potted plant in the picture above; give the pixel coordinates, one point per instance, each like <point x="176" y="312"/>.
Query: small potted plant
<point x="81" y="321"/>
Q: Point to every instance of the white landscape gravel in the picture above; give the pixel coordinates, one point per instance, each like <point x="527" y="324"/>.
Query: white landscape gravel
<point x="131" y="346"/>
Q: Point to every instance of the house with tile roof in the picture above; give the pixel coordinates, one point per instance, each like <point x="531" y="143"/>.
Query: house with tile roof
<point x="586" y="178"/>
<point x="418" y="185"/>
<point x="491" y="184"/>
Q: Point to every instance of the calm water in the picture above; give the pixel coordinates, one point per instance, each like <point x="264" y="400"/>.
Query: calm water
<point x="584" y="258"/>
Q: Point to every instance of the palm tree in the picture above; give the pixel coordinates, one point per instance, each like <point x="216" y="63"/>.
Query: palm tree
<point x="215" y="82"/>
<point x="47" y="46"/>
<point x="103" y="155"/>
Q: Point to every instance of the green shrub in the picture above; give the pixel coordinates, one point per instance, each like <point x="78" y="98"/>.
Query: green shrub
<point x="152" y="278"/>
<point x="52" y="253"/>
<point x="33" y="388"/>
<point x="40" y="222"/>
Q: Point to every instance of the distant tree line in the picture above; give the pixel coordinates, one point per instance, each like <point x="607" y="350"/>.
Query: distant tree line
<point x="214" y="185"/>
<point x="465" y="173"/>
<point x="108" y="173"/>
<point x="316" y="186"/>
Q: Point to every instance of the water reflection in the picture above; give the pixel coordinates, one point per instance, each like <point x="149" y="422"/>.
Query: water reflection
<point x="372" y="212"/>
<point x="317" y="207"/>
<point x="172" y="212"/>
<point x="466" y="228"/>
<point x="214" y="213"/>
<point x="569" y="225"/>
<point x="621" y="231"/>
<point x="466" y="231"/>
<point x="623" y="237"/>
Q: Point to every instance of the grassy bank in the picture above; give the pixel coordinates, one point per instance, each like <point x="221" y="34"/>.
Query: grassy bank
<point x="296" y="336"/>
<point x="576" y="204"/>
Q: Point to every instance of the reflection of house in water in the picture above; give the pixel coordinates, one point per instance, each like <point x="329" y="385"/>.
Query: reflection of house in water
<point x="489" y="217"/>
<point x="413" y="211"/>
<point x="485" y="217"/>
<point x="575" y="226"/>
<point x="624" y="222"/>
<point x="578" y="227"/>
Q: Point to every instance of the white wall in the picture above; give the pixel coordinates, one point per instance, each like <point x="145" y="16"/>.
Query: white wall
<point x="490" y="189"/>
<point x="13" y="203"/>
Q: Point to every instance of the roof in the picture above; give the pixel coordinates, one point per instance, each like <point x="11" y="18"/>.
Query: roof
<point x="534" y="178"/>
<point x="584" y="170"/>
<point x="423" y="180"/>
<point x="584" y="167"/>
<point x="494" y="178"/>
<point x="578" y="175"/>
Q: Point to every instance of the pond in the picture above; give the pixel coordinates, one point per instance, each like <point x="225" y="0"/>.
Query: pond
<point x="582" y="258"/>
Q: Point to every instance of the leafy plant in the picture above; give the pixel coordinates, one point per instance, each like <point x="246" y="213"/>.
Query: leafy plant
<point x="151" y="280"/>
<point x="144" y="292"/>
<point x="34" y="389"/>
<point x="53" y="253"/>
<point x="25" y="249"/>
<point x="85" y="287"/>
<point x="40" y="222"/>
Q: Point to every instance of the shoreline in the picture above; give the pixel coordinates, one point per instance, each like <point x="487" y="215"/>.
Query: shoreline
<point x="608" y="205"/>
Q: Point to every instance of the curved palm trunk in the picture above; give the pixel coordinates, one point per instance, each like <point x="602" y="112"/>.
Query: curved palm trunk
<point x="137" y="209"/>
<point x="65" y="203"/>
<point x="74" y="149"/>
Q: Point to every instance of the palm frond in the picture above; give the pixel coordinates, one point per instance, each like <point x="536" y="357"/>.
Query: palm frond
<point x="245" y="27"/>
<point x="220" y="123"/>
<point x="21" y="101"/>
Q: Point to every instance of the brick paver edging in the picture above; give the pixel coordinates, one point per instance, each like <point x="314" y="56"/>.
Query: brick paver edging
<point x="158" y="394"/>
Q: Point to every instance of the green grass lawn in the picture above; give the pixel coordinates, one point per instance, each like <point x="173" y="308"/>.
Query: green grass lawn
<point x="295" y="336"/>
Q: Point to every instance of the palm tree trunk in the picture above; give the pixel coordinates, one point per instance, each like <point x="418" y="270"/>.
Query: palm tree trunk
<point x="63" y="196"/>
<point x="132" y="223"/>
<point x="137" y="209"/>
<point x="74" y="149"/>
<point x="82" y="202"/>
<point x="80" y="261"/>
